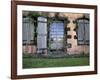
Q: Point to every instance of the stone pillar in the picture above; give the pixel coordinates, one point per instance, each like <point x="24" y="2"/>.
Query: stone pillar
<point x="71" y="41"/>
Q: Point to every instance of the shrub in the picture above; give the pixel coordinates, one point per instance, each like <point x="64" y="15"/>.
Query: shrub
<point x="27" y="55"/>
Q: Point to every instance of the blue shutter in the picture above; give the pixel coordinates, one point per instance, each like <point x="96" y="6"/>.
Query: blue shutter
<point x="28" y="30"/>
<point x="83" y="31"/>
<point x="56" y="35"/>
<point x="42" y="33"/>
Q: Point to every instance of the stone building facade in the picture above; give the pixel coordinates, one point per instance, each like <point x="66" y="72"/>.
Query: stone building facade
<point x="70" y="38"/>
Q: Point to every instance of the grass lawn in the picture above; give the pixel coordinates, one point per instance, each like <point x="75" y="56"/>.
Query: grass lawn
<point x="58" y="62"/>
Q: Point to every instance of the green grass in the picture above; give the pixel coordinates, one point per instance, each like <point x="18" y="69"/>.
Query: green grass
<point x="58" y="62"/>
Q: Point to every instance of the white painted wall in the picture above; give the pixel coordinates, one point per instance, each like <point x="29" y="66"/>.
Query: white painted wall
<point x="5" y="43"/>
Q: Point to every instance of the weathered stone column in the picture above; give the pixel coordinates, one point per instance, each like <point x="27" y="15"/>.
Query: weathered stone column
<point x="71" y="33"/>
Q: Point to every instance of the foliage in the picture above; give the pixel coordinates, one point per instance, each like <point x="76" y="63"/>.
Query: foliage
<point x="27" y="55"/>
<point x="81" y="55"/>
